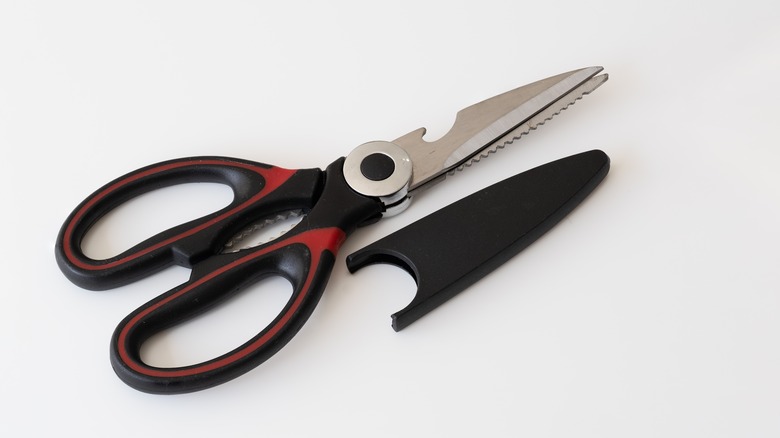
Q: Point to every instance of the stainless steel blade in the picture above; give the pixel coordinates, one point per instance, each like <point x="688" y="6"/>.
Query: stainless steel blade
<point x="537" y="120"/>
<point x="483" y="125"/>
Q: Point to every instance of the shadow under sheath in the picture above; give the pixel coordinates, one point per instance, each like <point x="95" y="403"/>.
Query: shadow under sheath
<point x="452" y="248"/>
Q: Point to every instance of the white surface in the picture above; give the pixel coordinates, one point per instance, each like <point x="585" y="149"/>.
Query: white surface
<point x="653" y="310"/>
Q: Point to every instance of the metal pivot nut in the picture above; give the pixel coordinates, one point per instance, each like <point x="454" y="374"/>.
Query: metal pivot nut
<point x="380" y="169"/>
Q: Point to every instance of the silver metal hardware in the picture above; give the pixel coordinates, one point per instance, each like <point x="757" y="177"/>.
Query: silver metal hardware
<point x="393" y="190"/>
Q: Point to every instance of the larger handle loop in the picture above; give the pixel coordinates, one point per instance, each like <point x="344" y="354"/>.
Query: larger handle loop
<point x="259" y="189"/>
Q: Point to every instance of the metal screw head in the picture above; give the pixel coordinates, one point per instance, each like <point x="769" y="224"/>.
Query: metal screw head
<point x="392" y="187"/>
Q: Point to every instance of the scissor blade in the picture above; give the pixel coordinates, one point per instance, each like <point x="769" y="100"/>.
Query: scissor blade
<point x="538" y="120"/>
<point x="490" y="124"/>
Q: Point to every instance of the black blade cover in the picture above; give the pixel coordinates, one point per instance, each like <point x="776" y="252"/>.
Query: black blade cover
<point x="449" y="250"/>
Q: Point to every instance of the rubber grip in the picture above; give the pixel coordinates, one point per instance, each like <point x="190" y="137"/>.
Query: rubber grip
<point x="259" y="190"/>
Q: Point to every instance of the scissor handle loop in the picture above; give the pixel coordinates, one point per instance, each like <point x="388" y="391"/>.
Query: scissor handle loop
<point x="258" y="189"/>
<point x="305" y="259"/>
<point x="305" y="256"/>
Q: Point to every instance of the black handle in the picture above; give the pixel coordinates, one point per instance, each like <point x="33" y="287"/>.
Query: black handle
<point x="304" y="256"/>
<point x="305" y="259"/>
<point x="259" y="190"/>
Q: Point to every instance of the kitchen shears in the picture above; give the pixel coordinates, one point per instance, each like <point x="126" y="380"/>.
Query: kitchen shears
<point x="377" y="179"/>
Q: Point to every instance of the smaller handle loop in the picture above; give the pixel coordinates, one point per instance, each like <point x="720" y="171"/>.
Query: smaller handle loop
<point x="305" y="259"/>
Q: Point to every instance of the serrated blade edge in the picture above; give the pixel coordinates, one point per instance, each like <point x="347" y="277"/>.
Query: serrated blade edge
<point x="478" y="127"/>
<point x="538" y="120"/>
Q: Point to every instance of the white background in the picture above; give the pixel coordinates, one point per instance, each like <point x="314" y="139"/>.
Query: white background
<point x="652" y="310"/>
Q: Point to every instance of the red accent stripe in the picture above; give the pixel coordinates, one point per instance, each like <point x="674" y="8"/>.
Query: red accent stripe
<point x="273" y="176"/>
<point x="318" y="241"/>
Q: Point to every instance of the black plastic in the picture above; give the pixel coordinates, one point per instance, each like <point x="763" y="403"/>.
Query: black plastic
<point x="253" y="186"/>
<point x="377" y="167"/>
<point x="454" y="247"/>
<point x="304" y="256"/>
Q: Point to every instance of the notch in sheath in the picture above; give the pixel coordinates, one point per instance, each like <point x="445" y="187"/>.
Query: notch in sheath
<point x="452" y="248"/>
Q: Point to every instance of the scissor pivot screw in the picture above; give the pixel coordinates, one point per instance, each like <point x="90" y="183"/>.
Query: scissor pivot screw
<point x="377" y="167"/>
<point x="380" y="169"/>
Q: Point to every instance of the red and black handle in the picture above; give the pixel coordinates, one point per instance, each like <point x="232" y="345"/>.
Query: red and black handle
<point x="304" y="256"/>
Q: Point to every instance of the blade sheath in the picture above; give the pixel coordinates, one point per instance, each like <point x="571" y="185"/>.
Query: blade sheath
<point x="452" y="248"/>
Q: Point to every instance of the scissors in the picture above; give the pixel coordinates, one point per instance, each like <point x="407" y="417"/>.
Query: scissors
<point x="377" y="179"/>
